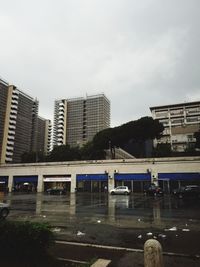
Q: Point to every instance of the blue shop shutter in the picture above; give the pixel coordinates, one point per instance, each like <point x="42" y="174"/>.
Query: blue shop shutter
<point x="91" y="177"/>
<point x="133" y="176"/>
<point x="4" y="179"/>
<point x="25" y="179"/>
<point x="179" y="176"/>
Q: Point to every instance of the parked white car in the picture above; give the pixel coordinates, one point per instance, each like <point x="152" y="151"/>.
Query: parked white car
<point x="4" y="210"/>
<point x="120" y="190"/>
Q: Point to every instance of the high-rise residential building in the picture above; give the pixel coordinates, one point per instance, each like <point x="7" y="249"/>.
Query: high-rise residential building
<point x="43" y="136"/>
<point x="3" y="106"/>
<point x="18" y="123"/>
<point x="77" y="120"/>
<point x="180" y="122"/>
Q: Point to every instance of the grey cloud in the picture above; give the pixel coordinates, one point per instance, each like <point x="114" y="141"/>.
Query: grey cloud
<point x="139" y="53"/>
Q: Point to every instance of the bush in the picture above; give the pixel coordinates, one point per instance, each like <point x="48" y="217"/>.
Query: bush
<point x="24" y="239"/>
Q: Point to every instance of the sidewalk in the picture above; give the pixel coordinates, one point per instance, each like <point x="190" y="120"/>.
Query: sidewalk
<point x="117" y="256"/>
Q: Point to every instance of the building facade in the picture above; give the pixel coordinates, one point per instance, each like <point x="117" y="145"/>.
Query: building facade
<point x="18" y="124"/>
<point x="93" y="176"/>
<point x="3" y="107"/>
<point x="180" y="122"/>
<point x="43" y="136"/>
<point x="76" y="121"/>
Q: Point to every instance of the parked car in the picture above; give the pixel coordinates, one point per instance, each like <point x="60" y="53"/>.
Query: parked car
<point x="153" y="190"/>
<point x="188" y="191"/>
<point x="4" y="210"/>
<point x="120" y="190"/>
<point x="56" y="191"/>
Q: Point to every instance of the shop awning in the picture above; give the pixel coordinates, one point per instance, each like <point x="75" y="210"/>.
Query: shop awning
<point x="133" y="176"/>
<point x="23" y="179"/>
<point x="180" y="176"/>
<point x="4" y="179"/>
<point x="91" y="177"/>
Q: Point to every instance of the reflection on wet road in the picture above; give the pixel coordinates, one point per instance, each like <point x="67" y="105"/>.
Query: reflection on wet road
<point x="148" y="209"/>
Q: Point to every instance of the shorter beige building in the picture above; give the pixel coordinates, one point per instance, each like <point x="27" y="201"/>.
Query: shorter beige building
<point x="180" y="122"/>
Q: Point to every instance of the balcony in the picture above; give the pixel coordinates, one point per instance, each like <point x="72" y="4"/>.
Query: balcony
<point x="10" y="143"/>
<point x="11" y="132"/>
<point x="193" y="119"/>
<point x="14" y="102"/>
<point x="13" y="111"/>
<point x="9" y="153"/>
<point x="61" y="117"/>
<point x="10" y="138"/>
<point x="15" y="97"/>
<point x="12" y="127"/>
<point x="8" y="159"/>
<point x="176" y="113"/>
<point x="161" y="115"/>
<point x="13" y="117"/>
<point x="9" y="149"/>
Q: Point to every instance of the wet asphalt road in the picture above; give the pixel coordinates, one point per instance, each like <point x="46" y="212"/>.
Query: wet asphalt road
<point x="126" y="221"/>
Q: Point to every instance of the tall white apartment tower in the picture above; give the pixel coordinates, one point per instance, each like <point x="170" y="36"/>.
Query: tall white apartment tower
<point x="77" y="120"/>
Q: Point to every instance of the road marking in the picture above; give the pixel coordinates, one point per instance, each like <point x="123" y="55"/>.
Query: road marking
<point x="97" y="246"/>
<point x="75" y="261"/>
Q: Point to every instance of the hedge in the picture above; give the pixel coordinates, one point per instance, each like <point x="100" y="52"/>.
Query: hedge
<point x="24" y="239"/>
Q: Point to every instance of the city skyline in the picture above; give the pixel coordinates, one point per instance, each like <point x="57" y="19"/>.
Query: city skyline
<point x="145" y="53"/>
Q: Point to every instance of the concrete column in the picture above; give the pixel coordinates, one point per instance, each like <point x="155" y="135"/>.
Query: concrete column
<point x="10" y="183"/>
<point x="40" y="186"/>
<point x="111" y="181"/>
<point x="73" y="183"/>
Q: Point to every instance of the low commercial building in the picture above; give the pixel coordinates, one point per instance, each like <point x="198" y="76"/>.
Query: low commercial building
<point x="94" y="176"/>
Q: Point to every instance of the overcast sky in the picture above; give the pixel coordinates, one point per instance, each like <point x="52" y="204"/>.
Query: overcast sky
<point x="140" y="53"/>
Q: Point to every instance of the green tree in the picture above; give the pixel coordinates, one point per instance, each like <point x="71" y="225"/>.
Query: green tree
<point x="162" y="150"/>
<point x="139" y="130"/>
<point x="89" y="152"/>
<point x="64" y="153"/>
<point x="29" y="157"/>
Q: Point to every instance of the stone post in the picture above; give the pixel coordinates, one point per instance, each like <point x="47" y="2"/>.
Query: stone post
<point x="153" y="254"/>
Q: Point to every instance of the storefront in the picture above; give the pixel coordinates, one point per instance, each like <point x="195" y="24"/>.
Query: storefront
<point x="3" y="183"/>
<point x="177" y="180"/>
<point x="91" y="182"/>
<point x="25" y="183"/>
<point x="136" y="182"/>
<point x="57" y="182"/>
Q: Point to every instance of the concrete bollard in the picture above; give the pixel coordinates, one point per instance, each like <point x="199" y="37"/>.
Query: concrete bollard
<point x="153" y="254"/>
